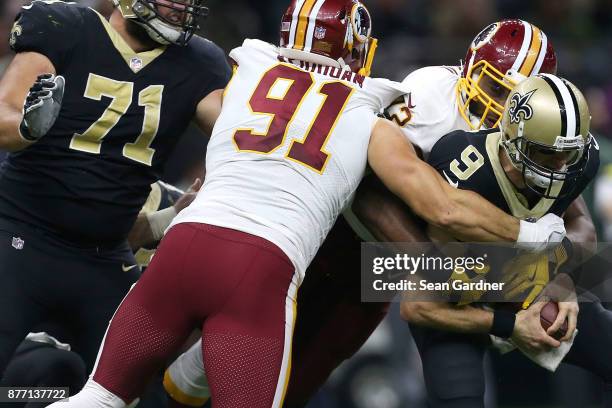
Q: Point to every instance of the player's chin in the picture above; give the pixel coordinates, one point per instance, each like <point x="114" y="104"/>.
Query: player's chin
<point x="139" y="33"/>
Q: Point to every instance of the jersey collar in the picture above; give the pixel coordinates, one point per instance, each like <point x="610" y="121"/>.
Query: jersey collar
<point x="136" y="61"/>
<point x="515" y="200"/>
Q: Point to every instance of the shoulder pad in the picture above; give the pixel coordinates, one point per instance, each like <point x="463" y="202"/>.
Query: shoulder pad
<point x="251" y="49"/>
<point x="51" y="28"/>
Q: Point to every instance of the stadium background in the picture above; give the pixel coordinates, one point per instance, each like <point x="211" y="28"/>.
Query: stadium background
<point x="415" y="33"/>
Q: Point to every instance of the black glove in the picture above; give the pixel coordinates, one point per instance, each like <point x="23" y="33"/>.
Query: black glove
<point x="42" y="106"/>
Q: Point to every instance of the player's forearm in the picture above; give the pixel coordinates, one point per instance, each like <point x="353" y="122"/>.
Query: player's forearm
<point x="475" y="219"/>
<point x="10" y="138"/>
<point x="579" y="226"/>
<point x="141" y="234"/>
<point x="448" y="317"/>
<point x="464" y="214"/>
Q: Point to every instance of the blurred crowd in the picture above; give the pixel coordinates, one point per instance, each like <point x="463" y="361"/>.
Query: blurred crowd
<point x="415" y="33"/>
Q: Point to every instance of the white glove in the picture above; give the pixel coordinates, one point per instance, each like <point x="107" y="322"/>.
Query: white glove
<point x="546" y="233"/>
<point x="42" y="106"/>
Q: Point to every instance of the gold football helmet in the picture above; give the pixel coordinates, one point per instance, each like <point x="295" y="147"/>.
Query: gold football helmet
<point x="545" y="131"/>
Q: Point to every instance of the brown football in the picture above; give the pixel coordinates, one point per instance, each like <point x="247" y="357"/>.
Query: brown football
<point x="548" y="314"/>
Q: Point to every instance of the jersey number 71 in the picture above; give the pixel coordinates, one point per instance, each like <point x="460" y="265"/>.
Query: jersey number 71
<point x="282" y="109"/>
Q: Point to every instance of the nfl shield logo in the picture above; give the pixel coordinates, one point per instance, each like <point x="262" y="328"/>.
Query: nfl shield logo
<point x="136" y="64"/>
<point x="319" y="33"/>
<point x="18" y="243"/>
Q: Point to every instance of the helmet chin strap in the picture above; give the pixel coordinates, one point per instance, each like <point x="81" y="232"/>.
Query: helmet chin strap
<point x="160" y="32"/>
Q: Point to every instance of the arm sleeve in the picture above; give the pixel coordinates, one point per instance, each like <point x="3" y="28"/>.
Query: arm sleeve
<point x="217" y="69"/>
<point x="51" y="29"/>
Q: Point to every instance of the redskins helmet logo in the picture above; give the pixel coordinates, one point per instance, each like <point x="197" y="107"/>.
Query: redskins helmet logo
<point x="519" y="106"/>
<point x="485" y="36"/>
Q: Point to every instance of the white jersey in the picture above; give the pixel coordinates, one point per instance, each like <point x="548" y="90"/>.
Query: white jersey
<point x="430" y="109"/>
<point x="288" y="150"/>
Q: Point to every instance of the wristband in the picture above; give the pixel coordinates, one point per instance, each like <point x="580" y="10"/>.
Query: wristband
<point x="160" y="220"/>
<point x="503" y="323"/>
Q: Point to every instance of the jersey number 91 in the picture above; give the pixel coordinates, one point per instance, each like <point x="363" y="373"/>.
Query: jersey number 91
<point x="282" y="109"/>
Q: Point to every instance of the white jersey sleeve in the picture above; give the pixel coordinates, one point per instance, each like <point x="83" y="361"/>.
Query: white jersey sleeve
<point x="288" y="150"/>
<point x="429" y="108"/>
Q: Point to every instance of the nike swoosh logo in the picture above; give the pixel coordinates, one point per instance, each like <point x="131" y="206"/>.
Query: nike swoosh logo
<point x="451" y="182"/>
<point x="128" y="268"/>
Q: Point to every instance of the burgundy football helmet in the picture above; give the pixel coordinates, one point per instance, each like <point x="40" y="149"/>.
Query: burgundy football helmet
<point x="507" y="52"/>
<point x="329" y="32"/>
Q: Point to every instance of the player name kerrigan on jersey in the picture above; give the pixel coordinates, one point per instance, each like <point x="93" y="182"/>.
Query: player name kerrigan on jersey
<point x="338" y="73"/>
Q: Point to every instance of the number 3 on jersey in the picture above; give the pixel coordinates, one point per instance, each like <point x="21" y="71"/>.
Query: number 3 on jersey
<point x="282" y="109"/>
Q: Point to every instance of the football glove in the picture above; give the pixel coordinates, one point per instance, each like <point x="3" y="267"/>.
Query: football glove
<point x="545" y="233"/>
<point x="525" y="277"/>
<point x="42" y="106"/>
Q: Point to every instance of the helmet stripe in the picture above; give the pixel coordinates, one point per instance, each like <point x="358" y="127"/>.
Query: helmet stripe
<point x="302" y="26"/>
<point x="533" y="53"/>
<point x="576" y="106"/>
<point x="543" y="48"/>
<point x="294" y="22"/>
<point x="566" y="105"/>
<point x="524" y="47"/>
<point x="311" y="24"/>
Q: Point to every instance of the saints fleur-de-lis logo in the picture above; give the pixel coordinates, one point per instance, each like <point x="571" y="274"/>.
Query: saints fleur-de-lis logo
<point x="15" y="32"/>
<point x="520" y="108"/>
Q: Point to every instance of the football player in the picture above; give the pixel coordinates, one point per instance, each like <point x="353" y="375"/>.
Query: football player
<point x="42" y="360"/>
<point x="108" y="101"/>
<point x="298" y="125"/>
<point x="332" y="322"/>
<point x="538" y="161"/>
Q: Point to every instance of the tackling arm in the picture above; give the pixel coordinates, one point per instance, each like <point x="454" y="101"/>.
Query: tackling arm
<point x="14" y="86"/>
<point x="465" y="214"/>
<point x="149" y="228"/>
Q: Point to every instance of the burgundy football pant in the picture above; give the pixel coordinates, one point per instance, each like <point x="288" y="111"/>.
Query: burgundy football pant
<point x="239" y="288"/>
<point x="332" y="322"/>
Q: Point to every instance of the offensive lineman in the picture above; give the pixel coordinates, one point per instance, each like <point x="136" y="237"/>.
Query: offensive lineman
<point x="96" y="128"/>
<point x="287" y="153"/>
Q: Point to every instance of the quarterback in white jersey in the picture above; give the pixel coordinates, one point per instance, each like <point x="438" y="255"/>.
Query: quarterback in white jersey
<point x="298" y="126"/>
